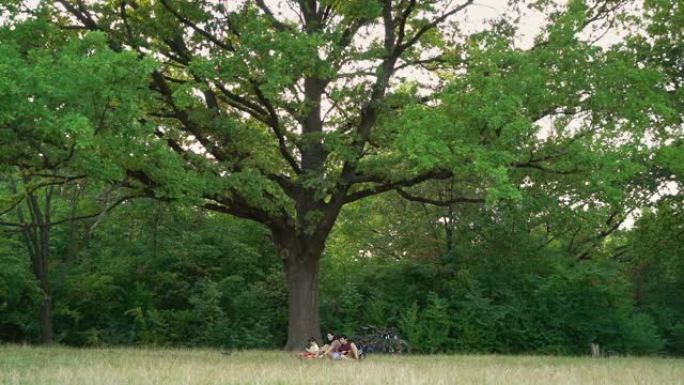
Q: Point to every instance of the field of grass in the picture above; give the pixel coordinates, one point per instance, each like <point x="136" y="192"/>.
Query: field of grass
<point x="32" y="366"/>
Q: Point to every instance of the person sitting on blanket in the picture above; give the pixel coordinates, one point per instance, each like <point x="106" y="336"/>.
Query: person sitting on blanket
<point x="311" y="351"/>
<point x="348" y="349"/>
<point x="332" y="349"/>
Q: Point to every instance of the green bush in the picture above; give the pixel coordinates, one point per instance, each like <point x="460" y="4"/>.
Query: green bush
<point x="20" y="296"/>
<point x="641" y="335"/>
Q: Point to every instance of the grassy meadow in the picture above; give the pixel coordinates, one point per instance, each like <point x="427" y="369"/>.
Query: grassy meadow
<point x="21" y="365"/>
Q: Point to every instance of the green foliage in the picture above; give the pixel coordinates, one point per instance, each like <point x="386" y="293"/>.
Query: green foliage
<point x="154" y="274"/>
<point x="657" y="269"/>
<point x="19" y="293"/>
<point x="179" y="280"/>
<point x="68" y="100"/>
<point x="642" y="335"/>
<point x="427" y="330"/>
<point x="512" y="283"/>
<point x="540" y="304"/>
<point x="409" y="325"/>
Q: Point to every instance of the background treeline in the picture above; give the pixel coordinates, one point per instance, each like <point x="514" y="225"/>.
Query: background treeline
<point x="470" y="278"/>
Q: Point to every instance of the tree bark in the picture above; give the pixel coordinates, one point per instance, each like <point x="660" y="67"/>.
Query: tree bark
<point x="301" y="258"/>
<point x="303" y="301"/>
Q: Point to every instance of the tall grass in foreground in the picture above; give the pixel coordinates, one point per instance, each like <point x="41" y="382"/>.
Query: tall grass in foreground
<point x="32" y="366"/>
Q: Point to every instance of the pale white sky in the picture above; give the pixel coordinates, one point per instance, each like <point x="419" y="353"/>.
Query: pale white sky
<point x="473" y="19"/>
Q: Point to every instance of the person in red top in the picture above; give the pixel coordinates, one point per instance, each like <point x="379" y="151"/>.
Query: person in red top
<point x="348" y="349"/>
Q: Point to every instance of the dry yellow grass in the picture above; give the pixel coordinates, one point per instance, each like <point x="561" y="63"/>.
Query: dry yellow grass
<point x="33" y="366"/>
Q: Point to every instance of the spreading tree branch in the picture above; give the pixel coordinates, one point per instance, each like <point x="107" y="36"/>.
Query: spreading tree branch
<point x="384" y="186"/>
<point x="196" y="28"/>
<point x="435" y="202"/>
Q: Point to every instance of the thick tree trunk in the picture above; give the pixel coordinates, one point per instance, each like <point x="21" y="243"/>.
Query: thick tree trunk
<point x="301" y="258"/>
<point x="303" y="300"/>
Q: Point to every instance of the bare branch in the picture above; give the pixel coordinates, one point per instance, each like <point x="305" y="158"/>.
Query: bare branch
<point x="184" y="118"/>
<point x="389" y="27"/>
<point x="280" y="26"/>
<point x="424" y="29"/>
<point x="274" y="123"/>
<point x="420" y="62"/>
<point x="10" y="224"/>
<point x="187" y="22"/>
<point x="243" y="103"/>
<point x="434" y="202"/>
<point x="107" y="209"/>
<point x="382" y="186"/>
<point x="238" y="207"/>
<point x="546" y="169"/>
<point x="80" y="13"/>
<point x="403" y="19"/>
